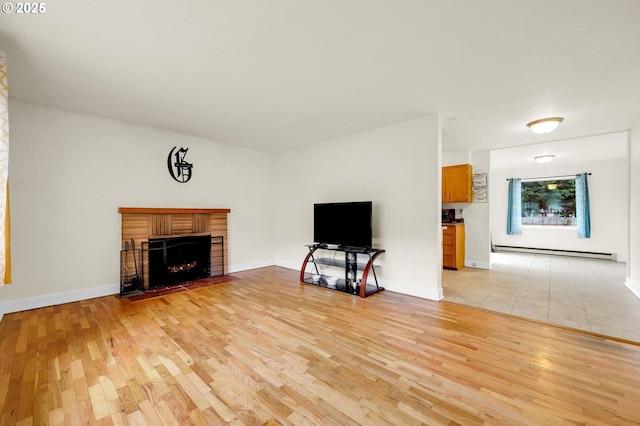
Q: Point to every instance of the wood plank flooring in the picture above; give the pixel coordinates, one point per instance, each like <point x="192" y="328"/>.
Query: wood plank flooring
<point x="265" y="349"/>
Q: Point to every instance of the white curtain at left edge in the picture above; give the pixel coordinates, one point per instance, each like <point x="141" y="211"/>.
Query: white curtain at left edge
<point x="5" y="228"/>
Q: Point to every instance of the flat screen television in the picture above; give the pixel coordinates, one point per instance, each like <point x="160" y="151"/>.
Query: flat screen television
<point x="344" y="224"/>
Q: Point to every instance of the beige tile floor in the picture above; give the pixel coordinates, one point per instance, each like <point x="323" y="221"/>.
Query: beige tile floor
<point x="582" y="293"/>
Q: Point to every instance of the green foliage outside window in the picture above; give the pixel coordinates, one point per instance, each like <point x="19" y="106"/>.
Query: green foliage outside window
<point x="549" y="202"/>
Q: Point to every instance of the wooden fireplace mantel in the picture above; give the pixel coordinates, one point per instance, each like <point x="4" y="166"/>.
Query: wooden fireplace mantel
<point x="168" y="210"/>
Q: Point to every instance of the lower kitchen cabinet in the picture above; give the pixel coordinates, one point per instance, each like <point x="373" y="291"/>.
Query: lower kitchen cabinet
<point x="453" y="245"/>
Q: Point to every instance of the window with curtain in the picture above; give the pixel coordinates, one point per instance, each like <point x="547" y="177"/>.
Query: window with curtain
<point x="5" y="227"/>
<point x="543" y="202"/>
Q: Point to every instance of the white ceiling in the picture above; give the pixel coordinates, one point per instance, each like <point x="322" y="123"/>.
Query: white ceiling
<point x="275" y="75"/>
<point x="583" y="150"/>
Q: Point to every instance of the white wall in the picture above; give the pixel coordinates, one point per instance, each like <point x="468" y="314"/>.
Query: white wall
<point x="477" y="220"/>
<point x="398" y="168"/>
<point x="633" y="267"/>
<point x="459" y="156"/>
<point x="608" y="192"/>
<point x="69" y="173"/>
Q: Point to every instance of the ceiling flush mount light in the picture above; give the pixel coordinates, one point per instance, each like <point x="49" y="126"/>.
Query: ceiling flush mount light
<point x="544" y="158"/>
<point x="544" y="125"/>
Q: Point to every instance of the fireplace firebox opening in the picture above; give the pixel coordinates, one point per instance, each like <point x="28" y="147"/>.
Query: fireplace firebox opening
<point x="178" y="259"/>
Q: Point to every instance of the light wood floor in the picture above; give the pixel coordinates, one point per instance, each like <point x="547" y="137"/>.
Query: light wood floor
<point x="265" y="349"/>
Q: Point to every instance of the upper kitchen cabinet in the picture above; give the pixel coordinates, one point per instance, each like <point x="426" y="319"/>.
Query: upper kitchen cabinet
<point x="457" y="184"/>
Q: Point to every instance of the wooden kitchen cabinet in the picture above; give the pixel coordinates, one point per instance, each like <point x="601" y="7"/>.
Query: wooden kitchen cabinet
<point x="453" y="245"/>
<point x="457" y="184"/>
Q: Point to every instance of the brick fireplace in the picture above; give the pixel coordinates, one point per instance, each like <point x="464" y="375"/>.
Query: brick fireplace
<point x="165" y="246"/>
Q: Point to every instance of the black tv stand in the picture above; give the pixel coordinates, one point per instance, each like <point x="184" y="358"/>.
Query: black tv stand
<point x="351" y="283"/>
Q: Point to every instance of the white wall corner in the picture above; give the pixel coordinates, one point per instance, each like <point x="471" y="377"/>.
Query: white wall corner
<point x="633" y="286"/>
<point x="477" y="264"/>
<point x="58" y="298"/>
<point x="284" y="263"/>
<point x="251" y="265"/>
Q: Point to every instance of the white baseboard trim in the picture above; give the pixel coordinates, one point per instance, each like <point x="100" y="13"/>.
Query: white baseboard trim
<point x="1" y="315"/>
<point x="57" y="298"/>
<point x="633" y="286"/>
<point x="431" y="294"/>
<point x="558" y="252"/>
<point x="477" y="264"/>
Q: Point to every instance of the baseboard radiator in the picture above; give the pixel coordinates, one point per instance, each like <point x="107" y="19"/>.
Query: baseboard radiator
<point x="607" y="256"/>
